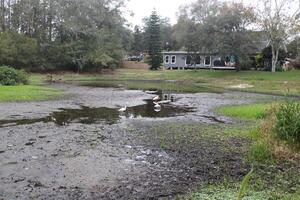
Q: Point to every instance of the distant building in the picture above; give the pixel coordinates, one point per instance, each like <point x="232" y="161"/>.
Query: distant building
<point x="182" y="60"/>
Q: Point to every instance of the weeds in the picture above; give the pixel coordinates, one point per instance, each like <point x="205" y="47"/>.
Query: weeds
<point x="260" y="152"/>
<point x="287" y="126"/>
<point x="244" y="184"/>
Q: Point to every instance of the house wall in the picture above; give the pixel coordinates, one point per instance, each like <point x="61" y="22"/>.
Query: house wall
<point x="181" y="61"/>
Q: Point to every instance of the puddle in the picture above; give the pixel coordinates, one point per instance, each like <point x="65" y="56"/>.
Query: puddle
<point x="87" y="115"/>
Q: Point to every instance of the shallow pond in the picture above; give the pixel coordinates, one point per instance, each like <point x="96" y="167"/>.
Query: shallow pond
<point x="87" y="115"/>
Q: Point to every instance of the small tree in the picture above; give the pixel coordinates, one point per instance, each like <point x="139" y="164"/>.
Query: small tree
<point x="280" y="22"/>
<point x="153" y="41"/>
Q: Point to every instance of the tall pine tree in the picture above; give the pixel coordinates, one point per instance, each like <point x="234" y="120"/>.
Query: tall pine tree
<point x="153" y="41"/>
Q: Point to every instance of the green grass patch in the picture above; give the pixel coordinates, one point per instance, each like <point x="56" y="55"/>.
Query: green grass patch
<point x="220" y="192"/>
<point x="146" y="85"/>
<point x="281" y="83"/>
<point x="246" y="112"/>
<point x="27" y="93"/>
<point x="229" y="191"/>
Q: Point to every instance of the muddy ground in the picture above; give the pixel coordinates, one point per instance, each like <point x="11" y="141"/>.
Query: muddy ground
<point x="84" y="157"/>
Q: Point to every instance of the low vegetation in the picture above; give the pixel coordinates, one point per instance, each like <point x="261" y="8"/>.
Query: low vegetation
<point x="277" y="132"/>
<point x="280" y="83"/>
<point x="14" y="86"/>
<point x="11" y="76"/>
<point x="272" y="131"/>
<point x="287" y="125"/>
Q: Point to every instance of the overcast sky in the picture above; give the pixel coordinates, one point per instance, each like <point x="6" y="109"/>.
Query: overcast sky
<point x="165" y="8"/>
<point x="143" y="8"/>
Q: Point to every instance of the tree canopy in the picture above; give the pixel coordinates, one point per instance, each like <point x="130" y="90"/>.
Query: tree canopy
<point x="63" y="34"/>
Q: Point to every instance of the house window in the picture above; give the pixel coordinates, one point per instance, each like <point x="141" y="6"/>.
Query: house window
<point x="207" y="61"/>
<point x="188" y="60"/>
<point x="167" y="59"/>
<point x="198" y="60"/>
<point x="173" y="59"/>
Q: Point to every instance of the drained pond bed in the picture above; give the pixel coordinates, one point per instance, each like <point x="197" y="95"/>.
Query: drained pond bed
<point x="84" y="147"/>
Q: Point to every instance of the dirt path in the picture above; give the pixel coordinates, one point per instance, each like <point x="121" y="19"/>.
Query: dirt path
<point x="121" y="160"/>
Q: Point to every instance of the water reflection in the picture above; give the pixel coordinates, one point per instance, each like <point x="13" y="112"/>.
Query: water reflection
<point x="87" y="115"/>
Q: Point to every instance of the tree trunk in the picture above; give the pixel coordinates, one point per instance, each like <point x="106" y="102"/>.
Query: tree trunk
<point x="2" y="21"/>
<point x="50" y="20"/>
<point x="9" y="14"/>
<point x="275" y="52"/>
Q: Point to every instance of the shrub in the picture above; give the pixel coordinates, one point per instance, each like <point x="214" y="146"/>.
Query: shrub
<point x="287" y="126"/>
<point x="11" y="76"/>
<point x="247" y="63"/>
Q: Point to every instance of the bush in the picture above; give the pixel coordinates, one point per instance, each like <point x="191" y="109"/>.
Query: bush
<point x="287" y="126"/>
<point x="11" y="76"/>
<point x="247" y="63"/>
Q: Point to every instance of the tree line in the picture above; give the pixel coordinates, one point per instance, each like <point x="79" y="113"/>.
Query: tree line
<point x="92" y="34"/>
<point x="55" y="34"/>
<point x="231" y="30"/>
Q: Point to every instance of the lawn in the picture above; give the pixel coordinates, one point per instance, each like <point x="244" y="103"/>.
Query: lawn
<point x="281" y="83"/>
<point x="27" y="93"/>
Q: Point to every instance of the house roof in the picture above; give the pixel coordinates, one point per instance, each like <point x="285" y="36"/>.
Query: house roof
<point x="185" y="52"/>
<point x="174" y="52"/>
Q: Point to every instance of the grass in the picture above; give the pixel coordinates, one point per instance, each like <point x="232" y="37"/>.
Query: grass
<point x="260" y="152"/>
<point x="245" y="112"/>
<point x="280" y="83"/>
<point x="229" y="191"/>
<point x="35" y="91"/>
<point x="27" y="93"/>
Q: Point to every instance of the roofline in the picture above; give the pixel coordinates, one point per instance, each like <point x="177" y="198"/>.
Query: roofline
<point x="185" y="52"/>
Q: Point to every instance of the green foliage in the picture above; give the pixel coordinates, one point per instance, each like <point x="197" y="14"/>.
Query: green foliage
<point x="293" y="48"/>
<point x="53" y="34"/>
<point x="18" y="50"/>
<point x="259" y="59"/>
<point x="153" y="41"/>
<point x="287" y="125"/>
<point x="106" y="52"/>
<point x="260" y="152"/>
<point x="11" y="76"/>
<point x="221" y="192"/>
<point x="246" y="63"/>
